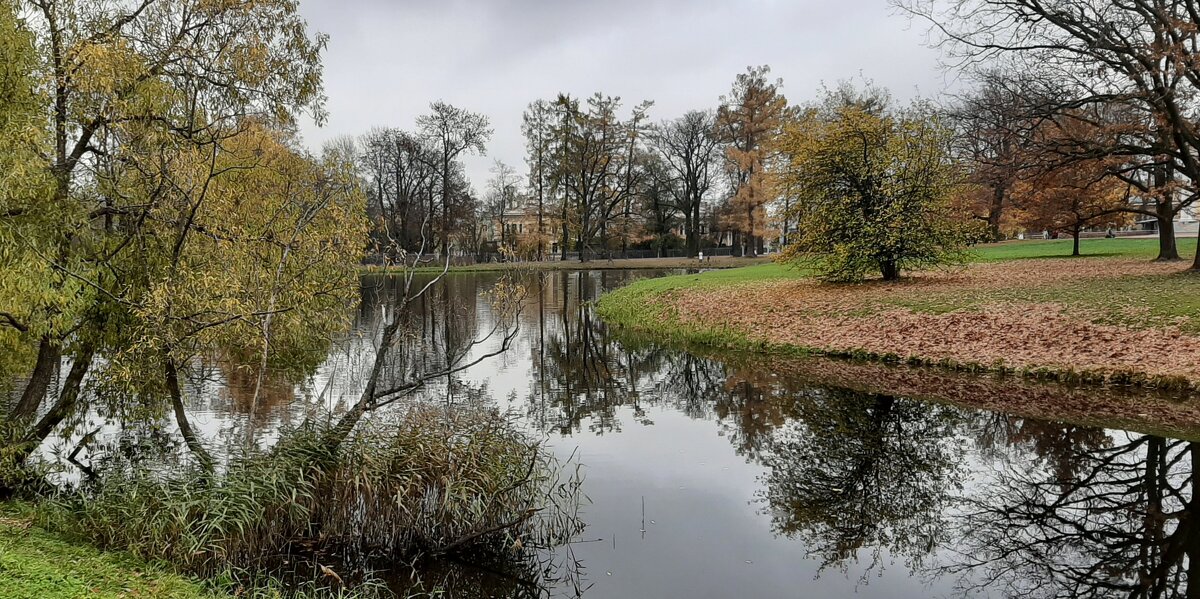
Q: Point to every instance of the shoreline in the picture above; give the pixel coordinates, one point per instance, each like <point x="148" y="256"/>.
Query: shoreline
<point x="1077" y="321"/>
<point x="1145" y="411"/>
<point x="714" y="263"/>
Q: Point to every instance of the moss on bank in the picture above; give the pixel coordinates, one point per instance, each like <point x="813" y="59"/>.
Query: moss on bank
<point x="740" y="310"/>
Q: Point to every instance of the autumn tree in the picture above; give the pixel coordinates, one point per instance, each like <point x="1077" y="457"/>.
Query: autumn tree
<point x="689" y="148"/>
<point x="453" y="131"/>
<point x="1068" y="198"/>
<point x="597" y="168"/>
<point x="1128" y="60"/>
<point x="29" y="223"/>
<point x="141" y="102"/>
<point x="248" y="251"/>
<point x="992" y="124"/>
<point x="749" y="117"/>
<point x="537" y="125"/>
<point x="873" y="189"/>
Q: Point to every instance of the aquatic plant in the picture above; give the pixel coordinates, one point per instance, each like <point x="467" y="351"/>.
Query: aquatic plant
<point x="428" y="480"/>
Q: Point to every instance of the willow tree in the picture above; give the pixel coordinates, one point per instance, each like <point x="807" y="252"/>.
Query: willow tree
<point x="28" y="220"/>
<point x="131" y="91"/>
<point x="247" y="254"/>
<point x="873" y="189"/>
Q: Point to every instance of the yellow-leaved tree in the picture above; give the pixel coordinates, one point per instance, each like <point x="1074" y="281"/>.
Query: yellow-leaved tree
<point x="873" y="188"/>
<point x="174" y="216"/>
<point x="748" y="119"/>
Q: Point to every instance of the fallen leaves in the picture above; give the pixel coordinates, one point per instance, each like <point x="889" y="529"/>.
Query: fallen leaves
<point x="976" y="328"/>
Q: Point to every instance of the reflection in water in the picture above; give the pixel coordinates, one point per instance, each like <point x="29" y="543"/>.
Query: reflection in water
<point x="857" y="473"/>
<point x="1096" y="515"/>
<point x="711" y="478"/>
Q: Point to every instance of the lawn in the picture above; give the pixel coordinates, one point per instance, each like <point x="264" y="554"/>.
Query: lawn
<point x="35" y="564"/>
<point x="1138" y="247"/>
<point x="1111" y="315"/>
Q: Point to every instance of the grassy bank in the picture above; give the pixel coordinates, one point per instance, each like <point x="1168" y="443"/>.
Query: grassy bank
<point x="720" y="262"/>
<point x="1111" y="316"/>
<point x="37" y="564"/>
<point x="312" y="516"/>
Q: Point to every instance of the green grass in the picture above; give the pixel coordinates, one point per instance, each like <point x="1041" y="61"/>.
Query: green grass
<point x="35" y="564"/>
<point x="635" y="307"/>
<point x="1013" y="250"/>
<point x="1153" y="300"/>
<point x="1061" y="248"/>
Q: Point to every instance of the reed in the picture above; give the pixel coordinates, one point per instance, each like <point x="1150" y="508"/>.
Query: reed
<point x="427" y="481"/>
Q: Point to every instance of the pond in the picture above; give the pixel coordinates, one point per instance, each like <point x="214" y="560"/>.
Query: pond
<point x="736" y="476"/>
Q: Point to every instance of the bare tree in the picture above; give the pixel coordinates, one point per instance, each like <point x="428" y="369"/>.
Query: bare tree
<point x="690" y="148"/>
<point x="453" y="131"/>
<point x="502" y="197"/>
<point x="991" y="124"/>
<point x="1126" y="66"/>
<point x="401" y="175"/>
<point x="386" y="385"/>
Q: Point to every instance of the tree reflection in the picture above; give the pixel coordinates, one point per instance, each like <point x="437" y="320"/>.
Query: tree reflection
<point x="859" y="472"/>
<point x="1086" y="518"/>
<point x="580" y="374"/>
<point x="1023" y="506"/>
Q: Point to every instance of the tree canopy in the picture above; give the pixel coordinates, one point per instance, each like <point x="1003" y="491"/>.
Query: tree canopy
<point x="873" y="190"/>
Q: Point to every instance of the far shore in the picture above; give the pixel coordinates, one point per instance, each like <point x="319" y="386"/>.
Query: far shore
<point x="717" y="262"/>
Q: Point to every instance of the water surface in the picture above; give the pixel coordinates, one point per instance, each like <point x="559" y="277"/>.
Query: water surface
<point x="736" y="477"/>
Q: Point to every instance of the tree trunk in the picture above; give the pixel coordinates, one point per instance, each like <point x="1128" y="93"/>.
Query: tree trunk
<point x="694" y="244"/>
<point x="1075" y="239"/>
<point x="995" y="211"/>
<point x="68" y="397"/>
<point x="566" y="238"/>
<point x="445" y="203"/>
<point x="889" y="269"/>
<point x="1168" y="249"/>
<point x="185" y="428"/>
<point x="39" y="381"/>
<point x="1164" y="213"/>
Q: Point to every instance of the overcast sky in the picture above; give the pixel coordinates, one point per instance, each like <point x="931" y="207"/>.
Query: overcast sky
<point x="388" y="59"/>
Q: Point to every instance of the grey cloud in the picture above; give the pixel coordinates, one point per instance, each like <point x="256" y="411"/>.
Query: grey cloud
<point x="387" y="60"/>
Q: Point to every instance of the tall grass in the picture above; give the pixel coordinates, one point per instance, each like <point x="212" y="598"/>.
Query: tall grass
<point x="429" y="481"/>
